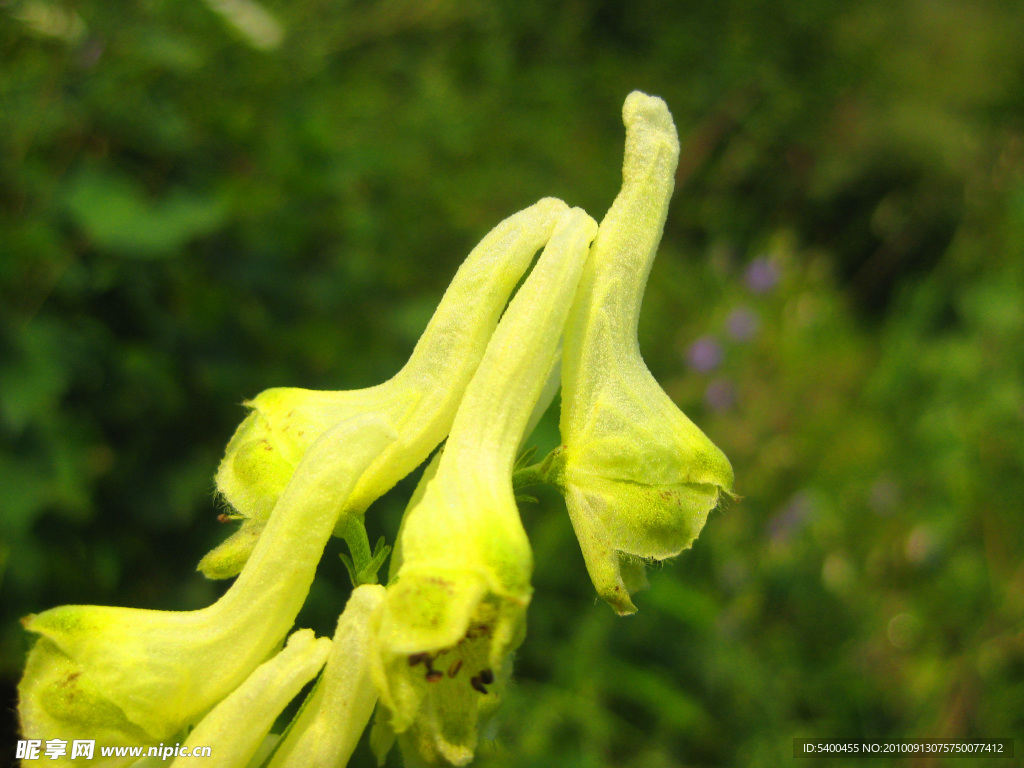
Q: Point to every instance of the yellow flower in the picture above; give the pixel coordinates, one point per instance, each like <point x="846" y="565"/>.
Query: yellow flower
<point x="56" y="702"/>
<point x="419" y="402"/>
<point x="639" y="477"/>
<point x="333" y="718"/>
<point x="149" y="674"/>
<point x="456" y="607"/>
<point x="235" y="729"/>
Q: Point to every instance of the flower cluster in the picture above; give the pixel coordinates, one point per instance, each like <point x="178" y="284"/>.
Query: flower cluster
<point x="432" y="649"/>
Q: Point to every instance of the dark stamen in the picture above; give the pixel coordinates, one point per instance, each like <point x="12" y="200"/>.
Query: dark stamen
<point x="453" y="670"/>
<point x="434" y="675"/>
<point x="486" y="677"/>
<point x="477" y="685"/>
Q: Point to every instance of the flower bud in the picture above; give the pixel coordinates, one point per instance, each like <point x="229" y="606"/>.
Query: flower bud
<point x="234" y="730"/>
<point x="456" y="608"/>
<point x="419" y="402"/>
<point x="156" y="672"/>
<point x="335" y="714"/>
<point x="639" y="477"/>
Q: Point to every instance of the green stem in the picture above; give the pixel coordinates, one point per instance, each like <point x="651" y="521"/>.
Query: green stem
<point x="353" y="530"/>
<point x="547" y="471"/>
<point x="363" y="563"/>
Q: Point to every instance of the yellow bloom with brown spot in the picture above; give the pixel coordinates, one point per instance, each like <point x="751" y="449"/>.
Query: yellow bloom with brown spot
<point x="638" y="476"/>
<point x="418" y="403"/>
<point x="456" y="608"/>
<point x="149" y="674"/>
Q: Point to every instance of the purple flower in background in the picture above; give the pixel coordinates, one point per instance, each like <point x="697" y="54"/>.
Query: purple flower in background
<point x="720" y="395"/>
<point x="704" y="354"/>
<point x="762" y="275"/>
<point x="743" y="323"/>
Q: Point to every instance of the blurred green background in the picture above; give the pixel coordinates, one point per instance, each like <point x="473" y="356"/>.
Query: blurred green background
<point x="199" y="200"/>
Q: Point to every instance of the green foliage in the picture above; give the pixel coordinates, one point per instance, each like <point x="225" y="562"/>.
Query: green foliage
<point x="186" y="220"/>
<point x="114" y="214"/>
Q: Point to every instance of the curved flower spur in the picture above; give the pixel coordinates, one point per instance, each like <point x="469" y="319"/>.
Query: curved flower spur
<point x="456" y="608"/>
<point x="638" y="476"/>
<point x="419" y="402"/>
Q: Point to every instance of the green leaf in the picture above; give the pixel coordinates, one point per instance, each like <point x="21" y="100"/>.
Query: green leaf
<point x="117" y="215"/>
